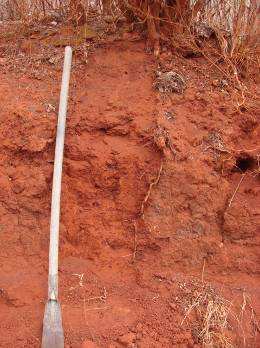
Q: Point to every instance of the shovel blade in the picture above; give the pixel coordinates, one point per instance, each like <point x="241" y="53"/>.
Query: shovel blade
<point x="52" y="336"/>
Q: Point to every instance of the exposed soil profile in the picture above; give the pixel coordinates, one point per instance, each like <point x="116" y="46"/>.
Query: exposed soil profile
<point x="160" y="206"/>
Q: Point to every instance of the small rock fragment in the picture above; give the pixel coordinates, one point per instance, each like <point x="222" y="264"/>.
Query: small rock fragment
<point x="55" y="59"/>
<point x="220" y="83"/>
<point x="223" y="83"/>
<point x="50" y="108"/>
<point x="169" y="115"/>
<point x="203" y="30"/>
<point x="170" y="82"/>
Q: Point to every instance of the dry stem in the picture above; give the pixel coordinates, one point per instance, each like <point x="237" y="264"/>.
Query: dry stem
<point x="237" y="188"/>
<point x="152" y="184"/>
<point x="216" y="316"/>
<point x="141" y="215"/>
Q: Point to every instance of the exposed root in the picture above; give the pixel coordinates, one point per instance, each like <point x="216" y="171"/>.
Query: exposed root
<point x="143" y="204"/>
<point x="152" y="184"/>
<point x="237" y="188"/>
<point x="135" y="241"/>
<point x="162" y="140"/>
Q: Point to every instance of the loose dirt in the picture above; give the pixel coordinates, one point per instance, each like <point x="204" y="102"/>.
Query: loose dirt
<point x="160" y="204"/>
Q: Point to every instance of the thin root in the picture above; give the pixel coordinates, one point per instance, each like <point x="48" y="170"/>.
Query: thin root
<point x="232" y="198"/>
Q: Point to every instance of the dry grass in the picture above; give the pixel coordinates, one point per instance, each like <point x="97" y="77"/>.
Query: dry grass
<point x="226" y="33"/>
<point x="212" y="312"/>
<point x="219" y="322"/>
<point x="234" y="25"/>
<point x="27" y="11"/>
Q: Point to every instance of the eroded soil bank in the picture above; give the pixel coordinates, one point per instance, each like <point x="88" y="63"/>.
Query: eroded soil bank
<point x="160" y="206"/>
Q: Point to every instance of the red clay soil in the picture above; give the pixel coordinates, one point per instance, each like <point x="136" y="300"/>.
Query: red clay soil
<point x="160" y="205"/>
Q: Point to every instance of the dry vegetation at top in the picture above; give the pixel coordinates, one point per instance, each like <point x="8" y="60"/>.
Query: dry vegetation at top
<point x="225" y="32"/>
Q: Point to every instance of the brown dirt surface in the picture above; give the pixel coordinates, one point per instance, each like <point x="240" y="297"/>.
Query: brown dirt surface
<point x="160" y="202"/>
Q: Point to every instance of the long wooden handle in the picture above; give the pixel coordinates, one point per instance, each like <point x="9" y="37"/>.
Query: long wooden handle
<point x="57" y="176"/>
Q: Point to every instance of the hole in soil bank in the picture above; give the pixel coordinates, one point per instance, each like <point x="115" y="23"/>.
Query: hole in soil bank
<point x="244" y="163"/>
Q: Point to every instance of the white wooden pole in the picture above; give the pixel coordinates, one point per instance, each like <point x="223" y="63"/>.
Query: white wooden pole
<point x="57" y="177"/>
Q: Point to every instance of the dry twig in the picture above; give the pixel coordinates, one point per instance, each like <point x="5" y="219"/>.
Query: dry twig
<point x="237" y="188"/>
<point x="152" y="184"/>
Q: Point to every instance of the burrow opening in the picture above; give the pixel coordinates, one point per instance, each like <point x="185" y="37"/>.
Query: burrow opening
<point x="244" y="163"/>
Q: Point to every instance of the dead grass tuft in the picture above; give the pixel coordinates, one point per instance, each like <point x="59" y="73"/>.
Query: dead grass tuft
<point x="212" y="312"/>
<point x="219" y="322"/>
